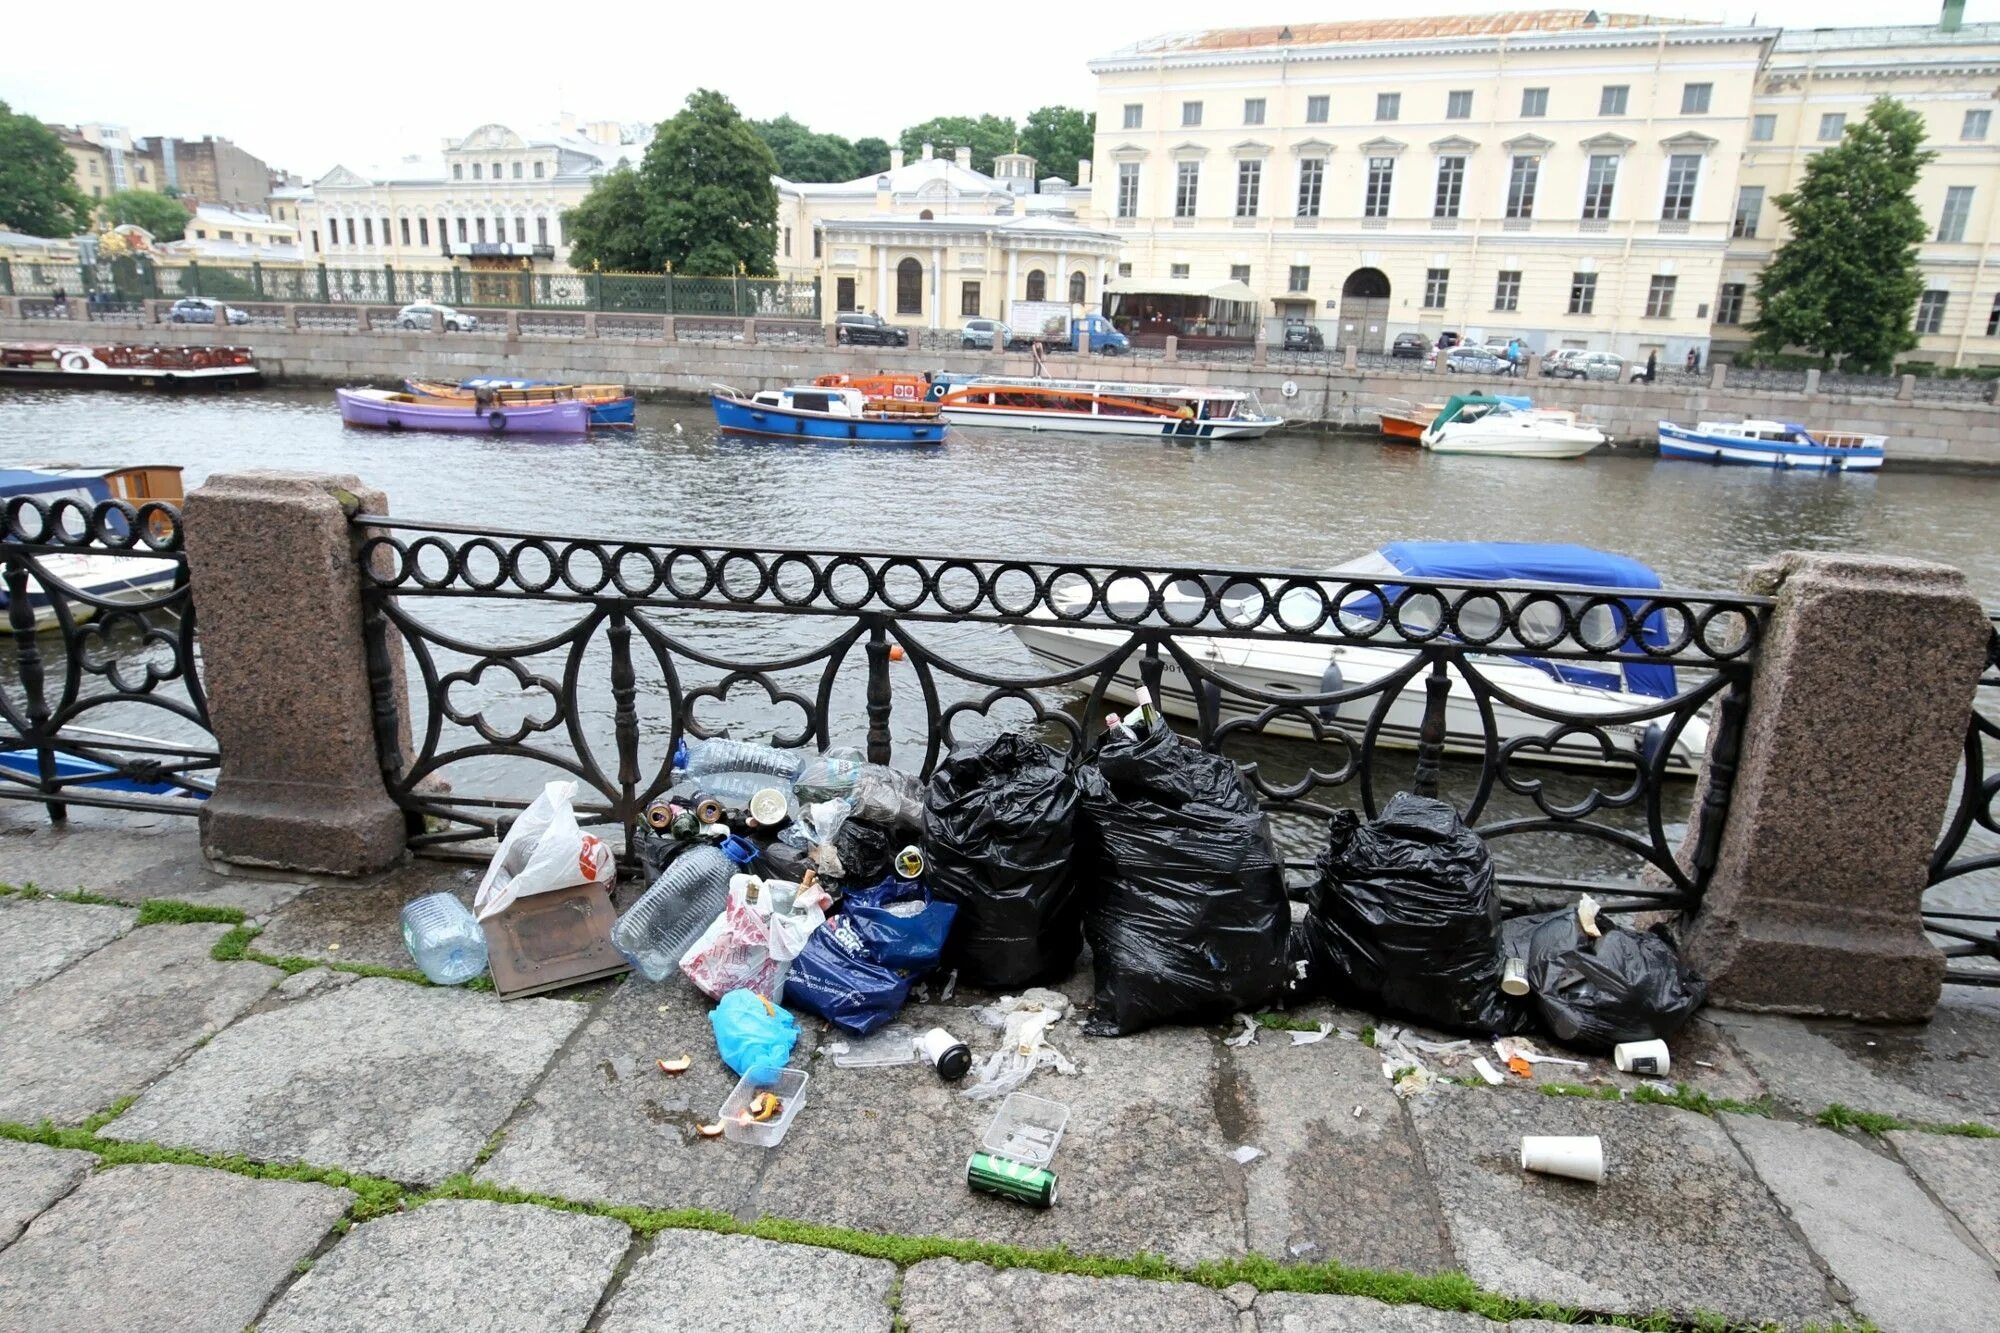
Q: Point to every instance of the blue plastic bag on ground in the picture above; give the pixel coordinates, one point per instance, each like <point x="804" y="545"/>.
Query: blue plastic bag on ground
<point x="836" y="979"/>
<point x="754" y="1036"/>
<point x="900" y="923"/>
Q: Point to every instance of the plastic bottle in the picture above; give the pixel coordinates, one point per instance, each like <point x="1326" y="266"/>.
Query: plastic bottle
<point x="829" y="775"/>
<point x="444" y="939"/>
<point x="738" y="788"/>
<point x="722" y="755"/>
<point x="656" y="930"/>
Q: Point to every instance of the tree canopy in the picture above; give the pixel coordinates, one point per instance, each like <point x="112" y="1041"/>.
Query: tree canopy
<point x="608" y="228"/>
<point x="164" y="217"/>
<point x="1845" y="282"/>
<point x="38" y="193"/>
<point x="986" y="136"/>
<point x="1057" y="137"/>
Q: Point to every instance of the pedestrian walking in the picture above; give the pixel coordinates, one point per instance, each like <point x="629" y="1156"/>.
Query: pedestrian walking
<point x="61" y="299"/>
<point x="1693" y="362"/>
<point x="1036" y="350"/>
<point x="1652" y="367"/>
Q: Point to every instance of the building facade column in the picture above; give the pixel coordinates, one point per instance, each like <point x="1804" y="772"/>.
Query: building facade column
<point x="1062" y="274"/>
<point x="881" y="302"/>
<point x="1013" y="281"/>
<point x="937" y="284"/>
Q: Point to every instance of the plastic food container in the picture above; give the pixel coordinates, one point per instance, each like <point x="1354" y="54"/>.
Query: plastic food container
<point x="893" y="1045"/>
<point x="1026" y="1129"/>
<point x="738" y="1127"/>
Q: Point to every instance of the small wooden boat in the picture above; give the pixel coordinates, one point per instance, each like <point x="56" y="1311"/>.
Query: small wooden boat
<point x="1100" y="408"/>
<point x="610" y="404"/>
<point x="886" y="392"/>
<point x="390" y="410"/>
<point x="1778" y="444"/>
<point x="1405" y="424"/>
<point x="817" y="412"/>
<point x="127" y="365"/>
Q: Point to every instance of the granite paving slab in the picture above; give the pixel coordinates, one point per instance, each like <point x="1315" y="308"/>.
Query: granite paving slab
<point x="1881" y="1235"/>
<point x="1807" y="1069"/>
<point x="605" y="1123"/>
<point x="1964" y="1175"/>
<point x="133" y="864"/>
<point x="381" y="1076"/>
<point x="1293" y="1312"/>
<point x="33" y="1177"/>
<point x="700" y="1282"/>
<point x="360" y="923"/>
<point x="1144" y="1165"/>
<point x="167" y="1249"/>
<point x="945" y="1296"/>
<point x="1679" y="1223"/>
<point x="39" y="937"/>
<point x="110" y="1024"/>
<point x="494" y="1267"/>
<point x="1954" y="1059"/>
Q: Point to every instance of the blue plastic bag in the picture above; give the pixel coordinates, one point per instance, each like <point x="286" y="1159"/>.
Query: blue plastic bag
<point x="754" y="1036"/>
<point x="835" y="979"/>
<point x="900" y="924"/>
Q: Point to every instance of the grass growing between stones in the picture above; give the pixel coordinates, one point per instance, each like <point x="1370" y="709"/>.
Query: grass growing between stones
<point x="1837" y="1116"/>
<point x="234" y="947"/>
<point x="173" y="912"/>
<point x="1285" y="1023"/>
<point x="31" y="890"/>
<point x="1683" y="1096"/>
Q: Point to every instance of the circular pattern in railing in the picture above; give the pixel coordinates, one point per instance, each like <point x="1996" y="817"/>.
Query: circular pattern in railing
<point x="67" y="523"/>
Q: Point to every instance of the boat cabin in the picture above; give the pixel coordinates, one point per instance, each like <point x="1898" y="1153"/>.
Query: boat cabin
<point x="1096" y="399"/>
<point x="1463" y="407"/>
<point x="824" y="399"/>
<point x="1785" y="432"/>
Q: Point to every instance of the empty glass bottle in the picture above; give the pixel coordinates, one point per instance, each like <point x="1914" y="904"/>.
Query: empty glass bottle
<point x="444" y="939"/>
<point x="657" y="929"/>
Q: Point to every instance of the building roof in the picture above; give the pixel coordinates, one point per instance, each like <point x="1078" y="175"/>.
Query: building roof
<point x="577" y="156"/>
<point x="942" y="174"/>
<point x="232" y="216"/>
<point x="1876" y="38"/>
<point x="999" y="226"/>
<point x="1392" y="30"/>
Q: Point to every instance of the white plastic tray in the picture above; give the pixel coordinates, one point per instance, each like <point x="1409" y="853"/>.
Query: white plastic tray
<point x="1026" y="1129"/>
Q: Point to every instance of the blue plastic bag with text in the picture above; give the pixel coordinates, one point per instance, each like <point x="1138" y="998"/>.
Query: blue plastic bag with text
<point x="900" y="923"/>
<point x="836" y="979"/>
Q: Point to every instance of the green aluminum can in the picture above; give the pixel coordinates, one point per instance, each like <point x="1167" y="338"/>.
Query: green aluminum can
<point x="991" y="1174"/>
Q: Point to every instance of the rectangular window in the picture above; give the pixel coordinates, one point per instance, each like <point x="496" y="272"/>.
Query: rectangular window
<point x="1177" y="270"/>
<point x="1832" y="125"/>
<point x="1507" y="290"/>
<point x="1249" y="184"/>
<point x="1694" y="98"/>
<point x="538" y="171"/>
<point x="843" y="294"/>
<point x="479" y="230"/>
<point x="1239" y="273"/>
<point x="1993" y="319"/>
<point x="1534" y="102"/>
<point x="475" y="171"/>
<point x="1582" y="293"/>
<point x="1749" y="204"/>
<point x="461" y="231"/>
<point x="1957" y="209"/>
<point x="1388" y="106"/>
<point x="1977" y="122"/>
<point x="1729" y="303"/>
<point x="1450" y="187"/>
<point x="424" y="232"/>
<point x="1677" y="204"/>
<point x="405" y="229"/>
<point x="1458" y="104"/>
<point x="367" y="232"/>
<point x="350" y="231"/>
<point x="816" y="242"/>
<point x="1128" y="189"/>
<point x="1611" y="102"/>
<point x="521" y="234"/>
<point x="541" y="231"/>
<point x="1253" y="111"/>
<point x="1124" y="270"/>
<point x="1521" y="181"/>
<point x="517" y="171"/>
<point x="787" y="242"/>
<point x="1437" y="282"/>
<point x="1930" y="312"/>
<point x="1187" y="188"/>
<point x="458" y="171"/>
<point x="1299" y="279"/>
<point x="1381" y="179"/>
<point x="1317" y="108"/>
<point x="315" y="237"/>
<point x="496" y="171"/>
<point x="1600" y="183"/>
<point x="333" y="234"/>
<point x="968" y="299"/>
<point x="1135" y="115"/>
<point x="1312" y="179"/>
<point x="1763" y="128"/>
<point x="1660" y="296"/>
<point x="1190" y="114"/>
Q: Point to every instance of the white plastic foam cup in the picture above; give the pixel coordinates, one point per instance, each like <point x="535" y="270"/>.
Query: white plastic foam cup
<point x="1579" y="1158"/>
<point x="1643" y="1057"/>
<point x="1514" y="977"/>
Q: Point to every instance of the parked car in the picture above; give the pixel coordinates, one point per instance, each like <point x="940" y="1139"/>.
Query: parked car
<point x="1303" y="337"/>
<point x="978" y="333"/>
<point x="426" y="314"/>
<point x="1449" y="339"/>
<point x="862" y="328"/>
<point x="201" y="310"/>
<point x="1414" y="346"/>
<point x="1555" y="365"/>
<point x="1475" y="361"/>
<point x="1580" y="365"/>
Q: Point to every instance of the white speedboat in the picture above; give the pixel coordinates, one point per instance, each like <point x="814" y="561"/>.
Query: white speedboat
<point x="1102" y="408"/>
<point x="1779" y="444"/>
<point x="1621" y="694"/>
<point x="106" y="577"/>
<point x="1508" y="427"/>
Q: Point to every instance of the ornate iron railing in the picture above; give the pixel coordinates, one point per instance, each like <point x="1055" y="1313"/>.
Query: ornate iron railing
<point x="101" y="702"/>
<point x="1968" y="852"/>
<point x="529" y="656"/>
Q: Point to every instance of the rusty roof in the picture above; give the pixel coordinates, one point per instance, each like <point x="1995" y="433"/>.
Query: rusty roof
<point x="1394" y="30"/>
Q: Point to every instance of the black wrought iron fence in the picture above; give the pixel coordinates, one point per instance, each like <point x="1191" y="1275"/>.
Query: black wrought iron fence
<point x="101" y="701"/>
<point x="1570" y="718"/>
<point x="1962" y="908"/>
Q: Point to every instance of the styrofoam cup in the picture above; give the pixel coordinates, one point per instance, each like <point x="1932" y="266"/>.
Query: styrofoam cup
<point x="1514" y="977"/>
<point x="1643" y="1057"/>
<point x="1579" y="1157"/>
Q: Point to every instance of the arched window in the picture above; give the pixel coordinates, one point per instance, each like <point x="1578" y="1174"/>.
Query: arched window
<point x="1038" y="285"/>
<point x="926" y="215"/>
<point x="909" y="288"/>
<point x="1076" y="287"/>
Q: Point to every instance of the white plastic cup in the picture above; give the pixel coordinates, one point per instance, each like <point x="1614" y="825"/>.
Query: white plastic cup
<point x="1643" y="1057"/>
<point x="1514" y="977"/>
<point x="1578" y="1157"/>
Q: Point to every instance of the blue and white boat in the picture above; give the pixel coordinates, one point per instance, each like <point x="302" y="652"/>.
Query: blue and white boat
<point x="108" y="577"/>
<point x="819" y="412"/>
<point x="1780" y="444"/>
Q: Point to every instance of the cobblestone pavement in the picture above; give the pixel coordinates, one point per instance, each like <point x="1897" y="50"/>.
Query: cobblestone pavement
<point x="525" y="1165"/>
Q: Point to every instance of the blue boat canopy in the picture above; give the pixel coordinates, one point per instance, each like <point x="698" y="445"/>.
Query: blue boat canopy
<point x="86" y="487"/>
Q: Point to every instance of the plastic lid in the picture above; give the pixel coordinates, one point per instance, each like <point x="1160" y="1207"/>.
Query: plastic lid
<point x="739" y="850"/>
<point x="681" y="753"/>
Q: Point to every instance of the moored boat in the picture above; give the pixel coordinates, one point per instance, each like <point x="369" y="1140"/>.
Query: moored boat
<point x="127" y="365"/>
<point x="1778" y="444"/>
<point x="81" y="575"/>
<point x="818" y="412"/>
<point x="1102" y="408"/>
<point x="1508" y="427"/>
<point x="610" y="404"/>
<point x="1405" y="422"/>
<point x="886" y="392"/>
<point x="389" y="409"/>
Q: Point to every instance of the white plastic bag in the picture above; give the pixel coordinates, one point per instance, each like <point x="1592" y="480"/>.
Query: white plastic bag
<point x="542" y="852"/>
<point x="751" y="944"/>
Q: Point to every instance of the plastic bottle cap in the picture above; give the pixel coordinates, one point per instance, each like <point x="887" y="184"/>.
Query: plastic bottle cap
<point x="739" y="850"/>
<point x="681" y="753"/>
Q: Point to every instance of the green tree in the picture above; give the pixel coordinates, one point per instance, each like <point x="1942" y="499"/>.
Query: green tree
<point x="804" y="155"/>
<point x="38" y="193"/>
<point x="165" y="218"/>
<point x="1057" y="137"/>
<point x="871" y="156"/>
<point x="608" y="228"/>
<point x="1845" y="283"/>
<point x="986" y="136"/>
<point x="710" y="204"/>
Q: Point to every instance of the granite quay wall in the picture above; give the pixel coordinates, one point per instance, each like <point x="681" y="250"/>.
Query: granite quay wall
<point x="1928" y="424"/>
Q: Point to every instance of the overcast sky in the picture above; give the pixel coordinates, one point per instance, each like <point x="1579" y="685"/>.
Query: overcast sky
<point x="305" y="86"/>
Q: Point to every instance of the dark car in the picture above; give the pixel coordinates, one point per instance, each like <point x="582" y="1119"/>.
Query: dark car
<point x="1302" y="337"/>
<point x="869" y="330"/>
<point x="1415" y="346"/>
<point x="1448" y="340"/>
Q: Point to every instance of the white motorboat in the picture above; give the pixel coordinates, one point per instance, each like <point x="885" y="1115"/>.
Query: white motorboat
<point x="1102" y="408"/>
<point x="106" y="577"/>
<point x="1620" y="693"/>
<point x="1778" y="444"/>
<point x="1508" y="427"/>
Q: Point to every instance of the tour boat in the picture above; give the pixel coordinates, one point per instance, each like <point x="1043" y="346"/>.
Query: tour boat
<point x="1611" y="695"/>
<point x="1508" y="427"/>
<point x="392" y="410"/>
<point x="818" y="412"/>
<point x="610" y="404"/>
<point x="127" y="365"/>
<point x="80" y="574"/>
<point x="1781" y="444"/>
<point x="1102" y="408"/>
<point x="886" y="392"/>
<point x="1405" y="423"/>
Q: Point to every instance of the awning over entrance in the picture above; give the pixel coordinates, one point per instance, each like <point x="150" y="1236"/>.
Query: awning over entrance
<point x="1183" y="287"/>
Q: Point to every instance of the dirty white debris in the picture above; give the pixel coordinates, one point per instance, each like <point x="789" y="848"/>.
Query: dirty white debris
<point x="1301" y="1248"/>
<point x="1520" y="1048"/>
<point x="1308" y="1038"/>
<point x="1587" y="909"/>
<point x="1415" y="1082"/>
<point x="1024" y="1045"/>
<point x="1345" y="1035"/>
<point x="1357" y="1111"/>
<point x="1664" y="1089"/>
<point x="950" y="986"/>
<point x="1486" y="1071"/>
<point x="1441" y="1047"/>
<point x="1246" y="1036"/>
<point x="1246" y="1155"/>
<point x="1705" y="1064"/>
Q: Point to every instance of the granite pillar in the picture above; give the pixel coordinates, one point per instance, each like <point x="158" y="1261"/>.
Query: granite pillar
<point x="1857" y="716"/>
<point x="1812" y="381"/>
<point x="1350" y="358"/>
<point x="272" y="567"/>
<point x="1718" y="374"/>
<point x="1173" y="351"/>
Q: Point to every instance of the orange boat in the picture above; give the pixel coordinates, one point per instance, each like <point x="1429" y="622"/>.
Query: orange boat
<point x="885" y="392"/>
<point x="1407" y="425"/>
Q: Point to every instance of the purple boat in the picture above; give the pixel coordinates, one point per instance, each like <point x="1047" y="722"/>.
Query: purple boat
<point x="391" y="409"/>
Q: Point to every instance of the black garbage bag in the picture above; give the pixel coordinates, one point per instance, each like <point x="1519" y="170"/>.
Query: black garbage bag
<point x="1185" y="896"/>
<point x="1593" y="993"/>
<point x="999" y="838"/>
<point x="1405" y="918"/>
<point x="864" y="852"/>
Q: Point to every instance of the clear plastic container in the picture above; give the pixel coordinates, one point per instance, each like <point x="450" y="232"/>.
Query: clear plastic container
<point x="738" y="1127"/>
<point x="657" y="929"/>
<point x="722" y="755"/>
<point x="830" y="774"/>
<point x="1026" y="1129"/>
<point x="737" y="788"/>
<point x="893" y="1045"/>
<point x="444" y="939"/>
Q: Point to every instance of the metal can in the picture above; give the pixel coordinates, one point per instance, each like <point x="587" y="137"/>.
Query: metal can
<point x="1008" y="1179"/>
<point x="910" y="862"/>
<point x="708" y="810"/>
<point x="660" y="814"/>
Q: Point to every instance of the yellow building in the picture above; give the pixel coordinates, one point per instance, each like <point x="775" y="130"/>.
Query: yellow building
<point x="106" y="160"/>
